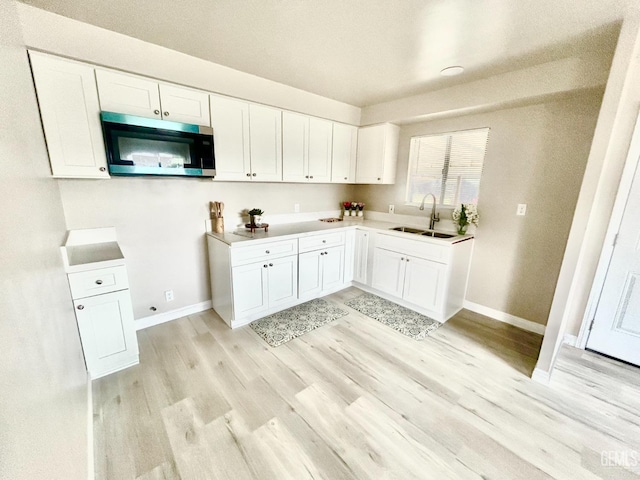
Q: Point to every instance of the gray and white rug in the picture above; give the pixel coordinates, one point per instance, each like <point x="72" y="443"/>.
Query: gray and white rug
<point x="401" y="319"/>
<point x="283" y="326"/>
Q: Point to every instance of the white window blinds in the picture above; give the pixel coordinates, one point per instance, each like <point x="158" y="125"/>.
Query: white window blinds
<point x="448" y="165"/>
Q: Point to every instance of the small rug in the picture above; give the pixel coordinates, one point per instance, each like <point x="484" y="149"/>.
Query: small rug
<point x="401" y="319"/>
<point x="283" y="326"/>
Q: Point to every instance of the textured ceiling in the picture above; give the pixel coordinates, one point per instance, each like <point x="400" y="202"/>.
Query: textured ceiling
<point x="362" y="52"/>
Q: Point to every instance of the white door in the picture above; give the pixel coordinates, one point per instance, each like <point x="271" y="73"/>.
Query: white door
<point x="184" y="105"/>
<point x="361" y="257"/>
<point x="423" y="283"/>
<point x="295" y="138"/>
<point x="343" y="161"/>
<point x="265" y="133"/>
<point x="107" y="331"/>
<point x="332" y="268"/>
<point x="309" y="274"/>
<point x="230" y="122"/>
<point x="616" y="328"/>
<point x="250" y="289"/>
<point x="319" y="156"/>
<point x="70" y="113"/>
<point x="388" y="271"/>
<point x="283" y="280"/>
<point x="123" y="93"/>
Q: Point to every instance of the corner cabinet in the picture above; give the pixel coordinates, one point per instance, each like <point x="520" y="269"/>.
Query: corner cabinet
<point x="377" y="154"/>
<point x="70" y="113"/>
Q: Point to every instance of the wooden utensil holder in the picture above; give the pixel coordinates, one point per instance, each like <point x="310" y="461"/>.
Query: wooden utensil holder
<point x="217" y="224"/>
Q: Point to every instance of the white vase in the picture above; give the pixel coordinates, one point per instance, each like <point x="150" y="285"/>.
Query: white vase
<point x="360" y="213"/>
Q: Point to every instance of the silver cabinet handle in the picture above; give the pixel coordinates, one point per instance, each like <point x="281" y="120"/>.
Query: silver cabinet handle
<point x="248" y="174"/>
<point x="102" y="169"/>
<point x="271" y="264"/>
<point x="80" y="307"/>
<point x="253" y="174"/>
<point x="402" y="259"/>
<point x="321" y="253"/>
<point x="378" y="178"/>
<point x="407" y="259"/>
<point x="166" y="114"/>
<point x="326" y="253"/>
<point x="306" y="176"/>
<point x="98" y="282"/>
<point x="157" y="112"/>
<point x="345" y="178"/>
<point x="265" y="265"/>
<point x="311" y="176"/>
<point x="267" y="251"/>
<point x="324" y="241"/>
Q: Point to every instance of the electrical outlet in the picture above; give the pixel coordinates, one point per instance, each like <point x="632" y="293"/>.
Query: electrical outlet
<point x="296" y="208"/>
<point x="522" y="209"/>
<point x="392" y="209"/>
<point x="168" y="295"/>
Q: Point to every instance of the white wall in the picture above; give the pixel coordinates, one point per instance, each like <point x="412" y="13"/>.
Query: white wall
<point x="536" y="155"/>
<point x="160" y="225"/>
<point x="56" y="34"/>
<point x="43" y="397"/>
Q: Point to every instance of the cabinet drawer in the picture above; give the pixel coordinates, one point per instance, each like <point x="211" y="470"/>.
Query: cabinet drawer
<point x="325" y="240"/>
<point x="96" y="282"/>
<point x="263" y="251"/>
<point x="417" y="248"/>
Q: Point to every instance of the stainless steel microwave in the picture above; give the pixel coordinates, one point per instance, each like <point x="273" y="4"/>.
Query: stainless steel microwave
<point x="146" y="146"/>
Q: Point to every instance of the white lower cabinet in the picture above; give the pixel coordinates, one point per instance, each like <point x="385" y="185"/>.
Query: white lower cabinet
<point x="321" y="271"/>
<point x="430" y="278"/>
<point x="105" y="319"/>
<point x="361" y="257"/>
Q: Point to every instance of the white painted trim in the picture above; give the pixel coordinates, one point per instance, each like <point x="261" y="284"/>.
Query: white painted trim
<point x="624" y="190"/>
<point x="571" y="340"/>
<point x="91" y="466"/>
<point x="163" y="317"/>
<point x="540" y="376"/>
<point x="505" y="317"/>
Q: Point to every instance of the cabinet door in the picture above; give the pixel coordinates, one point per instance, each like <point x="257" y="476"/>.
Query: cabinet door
<point x="377" y="154"/>
<point x="230" y="122"/>
<point x="283" y="280"/>
<point x="184" y="105"/>
<point x="295" y="138"/>
<point x="70" y="114"/>
<point x="424" y="283"/>
<point x="249" y="289"/>
<point x="332" y="268"/>
<point x="310" y="274"/>
<point x="343" y="163"/>
<point x="388" y="271"/>
<point x="128" y="94"/>
<point x="361" y="257"/>
<point x="319" y="156"/>
<point x="107" y="331"/>
<point x="265" y="132"/>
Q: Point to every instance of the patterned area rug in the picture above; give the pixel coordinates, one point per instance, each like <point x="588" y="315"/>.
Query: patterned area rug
<point x="283" y="326"/>
<point x="405" y="321"/>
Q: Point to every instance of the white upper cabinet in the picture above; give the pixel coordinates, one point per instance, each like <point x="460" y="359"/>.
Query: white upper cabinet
<point x="345" y="142"/>
<point x="306" y="148"/>
<point x="377" y="154"/>
<point x="230" y="122"/>
<point x="265" y="134"/>
<point x="319" y="157"/>
<point x="143" y="97"/>
<point x="70" y="113"/>
<point x="295" y="152"/>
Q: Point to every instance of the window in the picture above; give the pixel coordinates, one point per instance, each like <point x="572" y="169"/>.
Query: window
<point x="449" y="165"/>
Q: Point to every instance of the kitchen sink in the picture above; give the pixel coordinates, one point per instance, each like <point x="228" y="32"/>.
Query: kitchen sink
<point x="408" y="230"/>
<point x="426" y="233"/>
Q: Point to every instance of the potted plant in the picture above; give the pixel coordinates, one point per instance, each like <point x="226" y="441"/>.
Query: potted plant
<point x="347" y="208"/>
<point x="360" y="206"/>
<point x="464" y="215"/>
<point x="255" y="214"/>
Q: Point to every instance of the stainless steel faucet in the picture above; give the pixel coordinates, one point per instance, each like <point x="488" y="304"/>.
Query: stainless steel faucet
<point x="435" y="217"/>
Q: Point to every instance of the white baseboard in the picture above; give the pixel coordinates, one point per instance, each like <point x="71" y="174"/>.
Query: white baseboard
<point x="91" y="467"/>
<point x="505" y="317"/>
<point x="541" y="376"/>
<point x="163" y="317"/>
<point x="571" y="340"/>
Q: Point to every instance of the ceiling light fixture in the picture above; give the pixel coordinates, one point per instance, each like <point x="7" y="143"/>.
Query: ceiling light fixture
<point x="451" y="71"/>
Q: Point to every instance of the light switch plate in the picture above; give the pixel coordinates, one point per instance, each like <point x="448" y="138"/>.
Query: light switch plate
<point x="392" y="209"/>
<point x="296" y="208"/>
<point x="522" y="209"/>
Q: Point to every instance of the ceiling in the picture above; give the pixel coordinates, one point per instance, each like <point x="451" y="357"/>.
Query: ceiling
<point x="362" y="52"/>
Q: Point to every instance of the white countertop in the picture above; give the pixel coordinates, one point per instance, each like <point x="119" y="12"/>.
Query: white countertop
<point x="301" y="228"/>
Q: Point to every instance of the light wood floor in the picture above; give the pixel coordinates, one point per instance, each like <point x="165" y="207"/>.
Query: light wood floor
<point x="355" y="399"/>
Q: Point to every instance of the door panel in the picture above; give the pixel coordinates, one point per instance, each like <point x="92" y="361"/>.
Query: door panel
<point x="423" y="283"/>
<point x="332" y="268"/>
<point x="184" y="105"/>
<point x="283" y="280"/>
<point x="361" y="257"/>
<point x="249" y="289"/>
<point x="343" y="159"/>
<point x="126" y="94"/>
<point x="310" y="274"/>
<point x="388" y="271"/>
<point x="295" y="138"/>
<point x="265" y="133"/>
<point x="230" y="122"/>
<point x="319" y="157"/>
